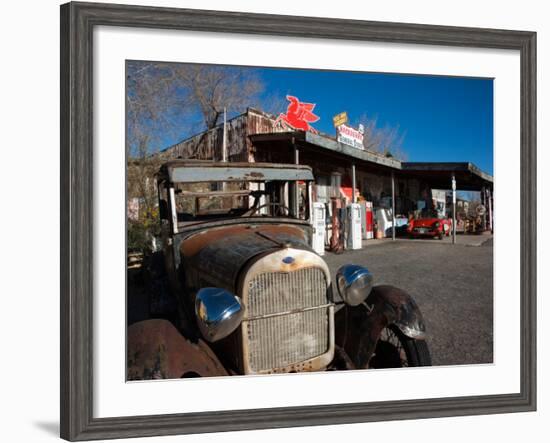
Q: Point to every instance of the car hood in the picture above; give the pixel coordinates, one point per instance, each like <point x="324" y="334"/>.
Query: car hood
<point x="425" y="222"/>
<point x="217" y="255"/>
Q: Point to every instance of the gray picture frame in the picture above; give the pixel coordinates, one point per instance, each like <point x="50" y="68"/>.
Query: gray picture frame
<point x="77" y="23"/>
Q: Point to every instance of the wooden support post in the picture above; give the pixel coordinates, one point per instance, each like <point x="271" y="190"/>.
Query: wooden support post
<point x="483" y="199"/>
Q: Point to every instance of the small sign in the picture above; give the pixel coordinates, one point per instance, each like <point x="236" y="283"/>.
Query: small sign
<point x="350" y="136"/>
<point x="340" y="119"/>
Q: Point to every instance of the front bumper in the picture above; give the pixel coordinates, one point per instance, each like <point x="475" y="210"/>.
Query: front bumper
<point x="425" y="232"/>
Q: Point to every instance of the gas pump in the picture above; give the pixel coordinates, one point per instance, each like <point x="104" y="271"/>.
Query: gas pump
<point x="354" y="226"/>
<point x="319" y="226"/>
<point x="369" y="223"/>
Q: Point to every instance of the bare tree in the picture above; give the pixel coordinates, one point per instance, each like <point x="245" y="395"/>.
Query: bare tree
<point x="387" y="140"/>
<point x="151" y="107"/>
<point x="213" y="88"/>
<point x="273" y="103"/>
<point x="165" y="102"/>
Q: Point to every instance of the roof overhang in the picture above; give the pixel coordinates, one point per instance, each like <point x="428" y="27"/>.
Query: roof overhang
<point x="307" y="138"/>
<point x="438" y="175"/>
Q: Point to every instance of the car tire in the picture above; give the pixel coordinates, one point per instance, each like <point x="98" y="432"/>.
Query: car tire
<point x="395" y="350"/>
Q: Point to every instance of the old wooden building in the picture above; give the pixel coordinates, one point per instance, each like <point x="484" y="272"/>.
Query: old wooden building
<point x="255" y="136"/>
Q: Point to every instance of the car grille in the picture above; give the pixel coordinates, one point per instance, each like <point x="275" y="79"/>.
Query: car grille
<point x="277" y="340"/>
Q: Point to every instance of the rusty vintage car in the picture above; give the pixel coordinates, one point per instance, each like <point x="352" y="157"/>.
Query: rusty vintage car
<point x="252" y="295"/>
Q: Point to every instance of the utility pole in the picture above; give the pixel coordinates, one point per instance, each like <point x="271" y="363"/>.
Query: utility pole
<point x="224" y="142"/>
<point x="454" y="208"/>
<point x="393" y="205"/>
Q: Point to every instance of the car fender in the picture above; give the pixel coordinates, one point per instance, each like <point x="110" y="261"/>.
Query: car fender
<point x="359" y="327"/>
<point x="157" y="350"/>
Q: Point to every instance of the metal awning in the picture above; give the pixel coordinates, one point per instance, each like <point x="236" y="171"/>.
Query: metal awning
<point x="330" y="145"/>
<point x="438" y="174"/>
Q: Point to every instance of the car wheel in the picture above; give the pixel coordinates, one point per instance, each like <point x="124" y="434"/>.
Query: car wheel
<point x="396" y="350"/>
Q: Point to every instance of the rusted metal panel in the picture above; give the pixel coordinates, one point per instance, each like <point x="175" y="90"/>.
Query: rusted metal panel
<point x="156" y="350"/>
<point x="217" y="255"/>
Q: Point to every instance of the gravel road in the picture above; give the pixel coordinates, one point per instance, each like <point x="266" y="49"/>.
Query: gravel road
<point x="453" y="285"/>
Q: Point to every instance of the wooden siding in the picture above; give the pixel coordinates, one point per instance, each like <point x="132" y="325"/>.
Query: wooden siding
<point x="208" y="145"/>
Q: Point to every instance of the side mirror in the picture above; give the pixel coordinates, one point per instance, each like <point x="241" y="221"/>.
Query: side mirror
<point x="219" y="313"/>
<point x="354" y="284"/>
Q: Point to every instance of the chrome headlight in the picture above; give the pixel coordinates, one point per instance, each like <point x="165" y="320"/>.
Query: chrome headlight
<point x="354" y="284"/>
<point x="219" y="313"/>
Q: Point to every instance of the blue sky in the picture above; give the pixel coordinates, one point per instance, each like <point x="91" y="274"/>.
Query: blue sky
<point x="443" y="118"/>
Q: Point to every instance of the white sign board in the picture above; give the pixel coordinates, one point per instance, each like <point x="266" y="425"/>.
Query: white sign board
<point x="350" y="136"/>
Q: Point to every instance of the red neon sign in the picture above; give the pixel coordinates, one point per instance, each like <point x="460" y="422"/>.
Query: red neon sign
<point x="299" y="115"/>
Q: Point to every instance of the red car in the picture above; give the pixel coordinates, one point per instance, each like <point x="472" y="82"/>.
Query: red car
<point x="429" y="227"/>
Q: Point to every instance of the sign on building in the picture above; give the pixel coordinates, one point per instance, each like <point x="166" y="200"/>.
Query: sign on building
<point x="299" y="114"/>
<point x="340" y="119"/>
<point x="350" y="136"/>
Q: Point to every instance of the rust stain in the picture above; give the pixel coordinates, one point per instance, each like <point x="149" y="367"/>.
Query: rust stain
<point x="197" y="242"/>
<point x="156" y="350"/>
